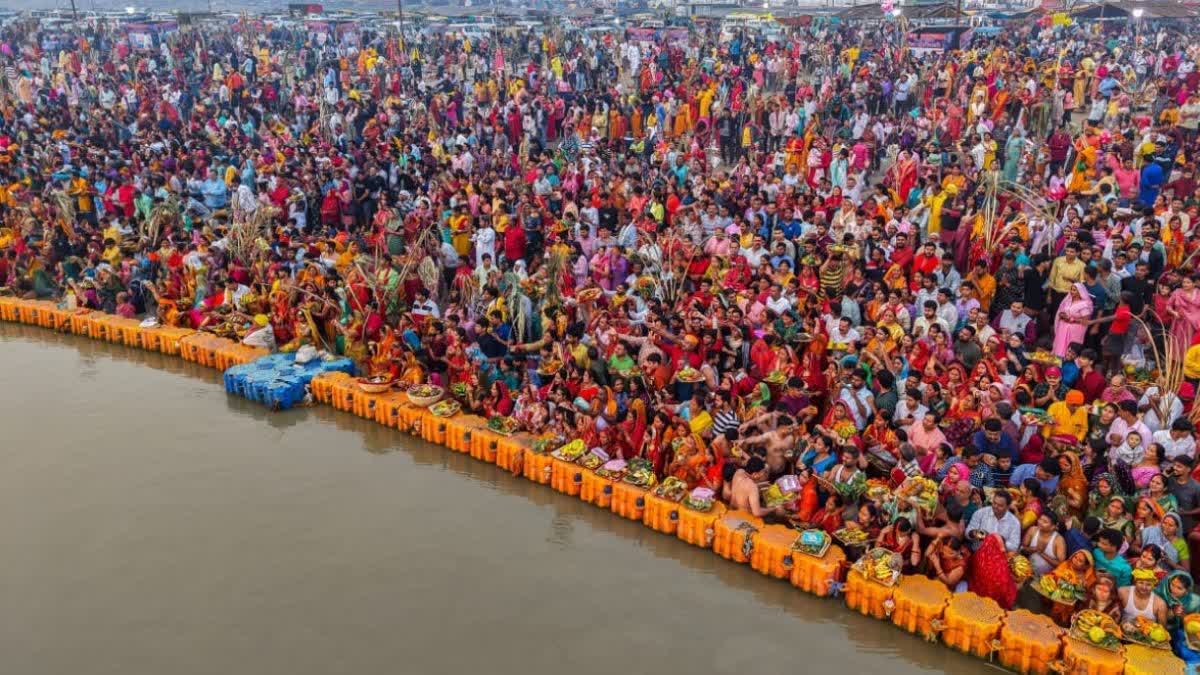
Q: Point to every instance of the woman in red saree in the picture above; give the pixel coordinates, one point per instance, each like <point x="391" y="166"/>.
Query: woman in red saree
<point x="902" y="176"/>
<point x="988" y="574"/>
<point x="632" y="434"/>
<point x="963" y="419"/>
<point x="954" y="380"/>
<point x="829" y="517"/>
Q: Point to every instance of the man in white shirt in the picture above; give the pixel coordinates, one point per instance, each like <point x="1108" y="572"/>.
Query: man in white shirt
<point x="778" y="303"/>
<point x="423" y="306"/>
<point x="1178" y="440"/>
<point x="998" y="520"/>
<point x="928" y="318"/>
<point x="1152" y="402"/>
<point x="754" y="256"/>
<point x="1014" y="320"/>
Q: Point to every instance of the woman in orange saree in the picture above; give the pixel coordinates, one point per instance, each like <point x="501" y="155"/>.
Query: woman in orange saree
<point x="1072" y="486"/>
<point x="1079" y="570"/>
<point x="691" y="458"/>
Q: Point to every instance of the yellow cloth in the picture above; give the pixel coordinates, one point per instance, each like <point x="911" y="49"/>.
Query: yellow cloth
<point x="1067" y="423"/>
<point x="1191" y="363"/>
<point x="934" y="204"/>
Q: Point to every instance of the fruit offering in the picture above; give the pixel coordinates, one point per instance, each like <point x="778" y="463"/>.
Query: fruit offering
<point x="852" y="537"/>
<point x="1020" y="567"/>
<point x="571" y="451"/>
<point x="1097" y="628"/>
<point x="640" y="472"/>
<point x="425" y="390"/>
<point x="591" y="461"/>
<point x="671" y="488"/>
<point x="1191" y="624"/>
<point x="1144" y="631"/>
<point x="701" y="499"/>
<point x="503" y="425"/>
<point x="614" y="469"/>
<point x="880" y="565"/>
<point x="852" y="489"/>
<point x="1060" y="590"/>
<point x="445" y="408"/>
<point x="920" y="491"/>
<point x="773" y="496"/>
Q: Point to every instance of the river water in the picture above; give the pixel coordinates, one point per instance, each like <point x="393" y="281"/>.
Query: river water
<point x="154" y="524"/>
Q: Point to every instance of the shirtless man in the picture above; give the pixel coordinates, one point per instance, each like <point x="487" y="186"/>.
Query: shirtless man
<point x="776" y="443"/>
<point x="745" y="489"/>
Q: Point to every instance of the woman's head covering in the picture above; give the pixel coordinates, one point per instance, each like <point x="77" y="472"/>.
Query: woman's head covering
<point x="1190" y="601"/>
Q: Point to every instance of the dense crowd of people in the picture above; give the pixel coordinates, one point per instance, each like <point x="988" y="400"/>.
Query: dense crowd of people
<point x="831" y="260"/>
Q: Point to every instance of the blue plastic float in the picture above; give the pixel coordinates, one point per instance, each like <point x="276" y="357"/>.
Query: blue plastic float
<point x="277" y="381"/>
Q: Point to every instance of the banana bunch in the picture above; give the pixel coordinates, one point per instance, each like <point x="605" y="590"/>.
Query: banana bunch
<point x="1020" y="567"/>
<point x="882" y="570"/>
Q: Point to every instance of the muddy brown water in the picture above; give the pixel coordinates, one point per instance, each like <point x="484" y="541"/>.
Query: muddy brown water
<point x="154" y="524"/>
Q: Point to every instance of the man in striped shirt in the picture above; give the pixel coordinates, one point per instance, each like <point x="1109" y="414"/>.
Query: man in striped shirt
<point x="724" y="418"/>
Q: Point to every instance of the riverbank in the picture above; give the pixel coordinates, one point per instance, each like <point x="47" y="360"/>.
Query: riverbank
<point x="729" y="542"/>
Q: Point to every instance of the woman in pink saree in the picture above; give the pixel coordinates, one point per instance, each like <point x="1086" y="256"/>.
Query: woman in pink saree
<point x="1070" y="322"/>
<point x="1183" y="309"/>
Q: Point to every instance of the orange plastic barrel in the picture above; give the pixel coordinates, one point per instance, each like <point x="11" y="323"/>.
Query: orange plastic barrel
<point x="362" y="403"/>
<point x="867" y="597"/>
<point x="1143" y="660"/>
<point x="98" y="326"/>
<point x="151" y="338"/>
<point x="595" y="489"/>
<point x="433" y="428"/>
<point x="734" y="535"/>
<point x="57" y="319"/>
<point x="192" y="348"/>
<point x="918" y="601"/>
<point x="323" y="385"/>
<point x="170" y="339"/>
<point x="81" y="322"/>
<point x="772" y="554"/>
<point x="509" y="453"/>
<point x="817" y="575"/>
<point x="387" y="408"/>
<point x="410" y="416"/>
<point x="566" y="477"/>
<point x="131" y="333"/>
<point x="8" y="308"/>
<point x="27" y="312"/>
<point x="972" y="623"/>
<point x="661" y="515"/>
<point x="484" y="443"/>
<point x="628" y="501"/>
<point x="458" y="435"/>
<point x="1082" y="658"/>
<point x="117" y="329"/>
<point x="696" y="527"/>
<point x="1029" y="642"/>
<point x="538" y="466"/>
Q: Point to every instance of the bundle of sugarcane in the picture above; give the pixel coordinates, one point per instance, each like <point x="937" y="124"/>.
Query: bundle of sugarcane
<point x="64" y="204"/>
<point x="513" y="300"/>
<point x="164" y="214"/>
<point x="1045" y="210"/>
<point x="240" y="242"/>
<point x="1169" y="371"/>
<point x="430" y="275"/>
<point x="556" y="264"/>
